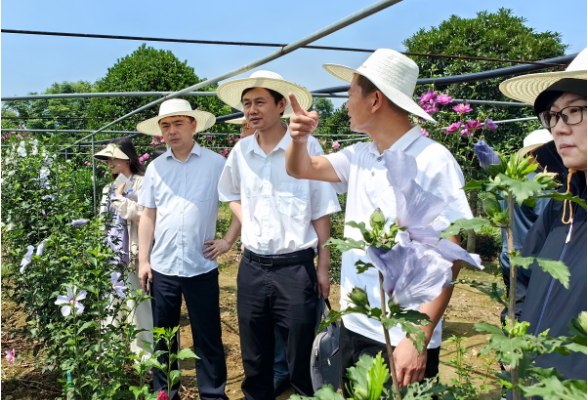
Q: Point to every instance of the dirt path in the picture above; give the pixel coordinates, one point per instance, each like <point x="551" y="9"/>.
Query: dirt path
<point x="468" y="306"/>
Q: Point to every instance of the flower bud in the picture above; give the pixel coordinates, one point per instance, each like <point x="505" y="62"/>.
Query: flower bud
<point x="377" y="220"/>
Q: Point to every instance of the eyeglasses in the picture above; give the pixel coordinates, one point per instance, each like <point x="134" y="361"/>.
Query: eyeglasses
<point x="571" y="115"/>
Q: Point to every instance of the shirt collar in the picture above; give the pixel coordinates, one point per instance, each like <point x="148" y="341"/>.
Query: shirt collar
<point x="401" y="144"/>
<point x="196" y="150"/>
<point x="254" y="145"/>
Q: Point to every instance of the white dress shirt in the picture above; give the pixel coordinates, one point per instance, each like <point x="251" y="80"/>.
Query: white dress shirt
<point x="362" y="171"/>
<point x="186" y="199"/>
<point x="277" y="209"/>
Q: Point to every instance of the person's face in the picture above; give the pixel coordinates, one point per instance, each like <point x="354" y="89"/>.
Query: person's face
<point x="178" y="131"/>
<point x="570" y="139"/>
<point x="119" y="166"/>
<point x="358" y="107"/>
<point x="261" y="110"/>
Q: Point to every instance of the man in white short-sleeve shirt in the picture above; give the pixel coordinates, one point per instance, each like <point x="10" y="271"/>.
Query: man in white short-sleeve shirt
<point x="180" y="203"/>
<point x="380" y="100"/>
<point x="284" y="221"/>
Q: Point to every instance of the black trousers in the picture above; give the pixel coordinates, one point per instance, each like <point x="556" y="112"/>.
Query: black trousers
<point x="201" y="293"/>
<point x="353" y="345"/>
<point x="285" y="295"/>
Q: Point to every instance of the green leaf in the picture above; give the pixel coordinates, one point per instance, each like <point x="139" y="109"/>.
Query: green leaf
<point x="327" y="393"/>
<point x="474" y="185"/>
<point x="186" y="353"/>
<point x="561" y="197"/>
<point x="174" y="376"/>
<point x="345" y="244"/>
<point x="557" y="269"/>
<point x="368" y="235"/>
<point x="463" y="224"/>
<point x="363" y="266"/>
<point x="153" y="363"/>
<point x="520" y="189"/>
<point x="486" y="327"/>
<point x="551" y="388"/>
<point x="377" y="376"/>
<point x="358" y="377"/>
<point x="86" y="326"/>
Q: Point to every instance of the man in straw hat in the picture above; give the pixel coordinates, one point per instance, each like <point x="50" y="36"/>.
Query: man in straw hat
<point x="284" y="222"/>
<point x="180" y="209"/>
<point x="380" y="101"/>
<point x="559" y="101"/>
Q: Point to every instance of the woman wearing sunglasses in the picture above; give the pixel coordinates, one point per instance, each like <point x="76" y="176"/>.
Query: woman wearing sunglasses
<point x="559" y="100"/>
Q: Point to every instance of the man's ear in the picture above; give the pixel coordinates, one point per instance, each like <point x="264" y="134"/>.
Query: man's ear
<point x="194" y="126"/>
<point x="282" y="104"/>
<point x="378" y="100"/>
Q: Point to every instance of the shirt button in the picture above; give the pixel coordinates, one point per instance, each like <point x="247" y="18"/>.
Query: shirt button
<point x="379" y="158"/>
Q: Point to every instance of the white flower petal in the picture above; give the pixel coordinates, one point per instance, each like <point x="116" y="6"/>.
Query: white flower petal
<point x="62" y="300"/>
<point x="81" y="295"/>
<point x="79" y="308"/>
<point x="66" y="310"/>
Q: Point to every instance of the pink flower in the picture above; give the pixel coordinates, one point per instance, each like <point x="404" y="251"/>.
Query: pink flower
<point x="10" y="356"/>
<point x="462" y="108"/>
<point x="103" y="145"/>
<point x="208" y="137"/>
<point x="162" y="140"/>
<point x="232" y="139"/>
<point x="19" y="136"/>
<point x="236" y="258"/>
<point x="424" y="132"/>
<point x="473" y="125"/>
<point x="453" y="127"/>
<point x="429" y="109"/>
<point x="224" y="152"/>
<point x="329" y="151"/>
<point x="490" y="125"/>
<point x="325" y="142"/>
<point x="87" y="163"/>
<point x="336" y="145"/>
<point x="162" y="395"/>
<point x="444" y="99"/>
<point x="429" y="96"/>
<point x="153" y="143"/>
<point x="466" y="132"/>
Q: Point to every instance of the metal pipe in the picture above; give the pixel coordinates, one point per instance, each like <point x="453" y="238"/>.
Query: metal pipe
<point x="283" y="51"/>
<point x="94" y="176"/>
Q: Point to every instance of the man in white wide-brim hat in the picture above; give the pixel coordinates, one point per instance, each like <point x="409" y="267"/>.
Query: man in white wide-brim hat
<point x="180" y="203"/>
<point x="559" y="100"/>
<point x="285" y="221"/>
<point x="380" y="101"/>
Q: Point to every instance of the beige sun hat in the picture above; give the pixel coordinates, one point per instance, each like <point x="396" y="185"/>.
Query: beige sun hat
<point x="111" y="151"/>
<point x="392" y="72"/>
<point x="526" y="88"/>
<point x="238" y="121"/>
<point x="533" y="140"/>
<point x="230" y="92"/>
<point x="171" y="108"/>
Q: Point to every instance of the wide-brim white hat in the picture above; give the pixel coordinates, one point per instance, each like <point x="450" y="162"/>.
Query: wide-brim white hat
<point x="230" y="92"/>
<point x="526" y="88"/>
<point x="238" y="121"/>
<point x="111" y="151"/>
<point x="533" y="140"/>
<point x="171" y="108"/>
<point x="391" y="72"/>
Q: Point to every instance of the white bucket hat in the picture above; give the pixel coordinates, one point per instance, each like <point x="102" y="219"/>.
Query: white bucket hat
<point x="533" y="140"/>
<point x="230" y="92"/>
<point x="111" y="151"/>
<point x="391" y="72"/>
<point x="526" y="88"/>
<point x="173" y="107"/>
<point x="237" y="121"/>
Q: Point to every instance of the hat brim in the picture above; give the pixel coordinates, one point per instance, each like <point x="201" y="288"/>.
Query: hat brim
<point x="527" y="149"/>
<point x="109" y="153"/>
<point x="204" y="120"/>
<point x="526" y="88"/>
<point x="238" y="121"/>
<point x="230" y="92"/>
<point x="394" y="95"/>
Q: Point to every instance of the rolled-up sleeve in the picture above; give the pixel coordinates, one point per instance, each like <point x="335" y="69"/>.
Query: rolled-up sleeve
<point x="147" y="195"/>
<point x="341" y="162"/>
<point x="229" y="186"/>
<point x="323" y="199"/>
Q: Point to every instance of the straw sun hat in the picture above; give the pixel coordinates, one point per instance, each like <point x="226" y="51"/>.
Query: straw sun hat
<point x="526" y="88"/>
<point x="171" y="108"/>
<point x="391" y="72"/>
<point x="111" y="151"/>
<point x="533" y="140"/>
<point x="230" y="92"/>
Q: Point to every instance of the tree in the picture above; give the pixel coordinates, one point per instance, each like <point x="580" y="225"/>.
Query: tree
<point x="149" y="70"/>
<point x="493" y="35"/>
<point x="324" y="107"/>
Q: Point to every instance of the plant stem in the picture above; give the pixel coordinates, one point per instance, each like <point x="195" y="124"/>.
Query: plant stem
<point x="512" y="295"/>
<point x="388" y="344"/>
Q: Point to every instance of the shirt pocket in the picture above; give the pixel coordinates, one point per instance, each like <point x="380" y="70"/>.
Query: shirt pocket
<point x="292" y="199"/>
<point x="202" y="189"/>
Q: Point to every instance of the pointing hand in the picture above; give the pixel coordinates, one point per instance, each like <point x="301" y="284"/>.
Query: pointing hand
<point x="302" y="122"/>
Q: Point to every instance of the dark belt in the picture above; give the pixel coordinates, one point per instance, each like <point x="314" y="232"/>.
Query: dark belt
<point x="298" y="257"/>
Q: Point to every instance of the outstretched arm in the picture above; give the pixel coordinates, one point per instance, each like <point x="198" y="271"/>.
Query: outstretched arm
<point x="299" y="163"/>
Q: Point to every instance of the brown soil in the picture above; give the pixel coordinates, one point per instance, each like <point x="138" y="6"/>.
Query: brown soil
<point x="468" y="306"/>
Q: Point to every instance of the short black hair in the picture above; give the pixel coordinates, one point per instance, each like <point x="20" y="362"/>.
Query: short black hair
<point x="277" y="96"/>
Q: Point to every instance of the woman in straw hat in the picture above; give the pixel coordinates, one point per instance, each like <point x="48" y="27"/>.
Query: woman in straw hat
<point x="559" y="100"/>
<point x="120" y="205"/>
<point x="284" y="221"/>
<point x="380" y="102"/>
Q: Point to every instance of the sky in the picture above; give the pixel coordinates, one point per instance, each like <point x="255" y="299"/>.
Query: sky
<point x="32" y="63"/>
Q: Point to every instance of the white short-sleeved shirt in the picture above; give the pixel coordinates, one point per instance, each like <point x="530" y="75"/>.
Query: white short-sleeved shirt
<point x="277" y="210"/>
<point x="362" y="171"/>
<point x="186" y="199"/>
